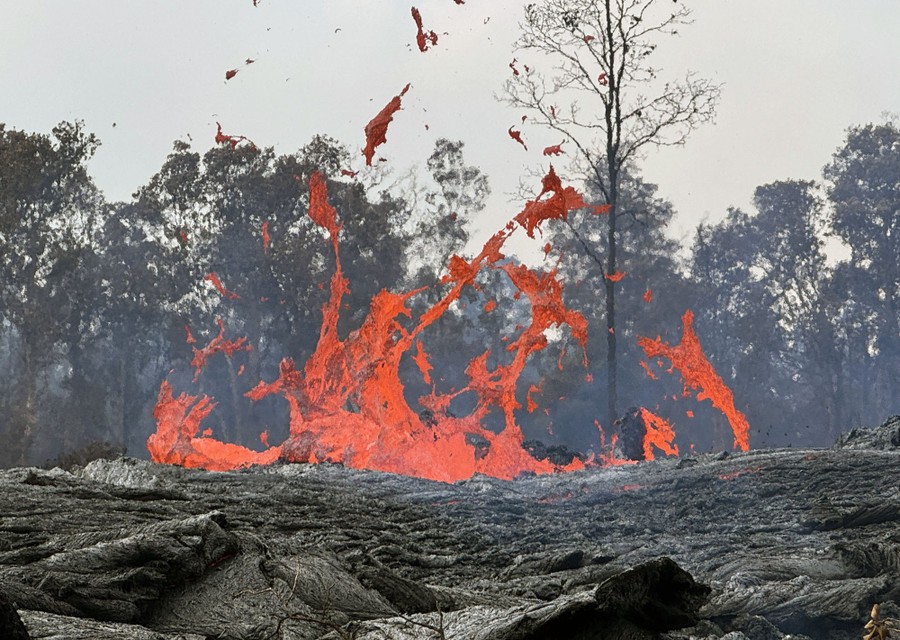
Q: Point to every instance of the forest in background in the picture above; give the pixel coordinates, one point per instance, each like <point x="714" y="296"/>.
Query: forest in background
<point x="98" y="298"/>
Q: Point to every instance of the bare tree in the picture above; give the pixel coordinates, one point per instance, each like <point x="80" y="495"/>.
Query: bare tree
<point x="605" y="98"/>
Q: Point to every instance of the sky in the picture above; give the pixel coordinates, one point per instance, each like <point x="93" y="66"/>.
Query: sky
<point x="795" y="73"/>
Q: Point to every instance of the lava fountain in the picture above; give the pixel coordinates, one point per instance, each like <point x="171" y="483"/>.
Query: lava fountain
<point x="347" y="403"/>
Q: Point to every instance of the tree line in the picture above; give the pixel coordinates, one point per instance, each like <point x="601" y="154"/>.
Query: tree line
<point x="98" y="299"/>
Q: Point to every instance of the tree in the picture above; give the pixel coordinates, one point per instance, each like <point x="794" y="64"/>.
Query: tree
<point x="49" y="213"/>
<point x="865" y="195"/>
<point x="441" y="224"/>
<point x="601" y="50"/>
<point x="734" y="307"/>
<point x="652" y="265"/>
<point x="791" y="264"/>
<point x="769" y="300"/>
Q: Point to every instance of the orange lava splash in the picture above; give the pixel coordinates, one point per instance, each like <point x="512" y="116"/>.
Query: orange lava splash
<point x="554" y="150"/>
<point x="217" y="345"/>
<point x="516" y="135"/>
<point x="698" y="374"/>
<point x="423" y="37"/>
<point x="180" y="443"/>
<point x="234" y="141"/>
<point x="376" y="130"/>
<point x="347" y="403"/>
<point x="217" y="283"/>
<point x="556" y="207"/>
<point x="658" y="433"/>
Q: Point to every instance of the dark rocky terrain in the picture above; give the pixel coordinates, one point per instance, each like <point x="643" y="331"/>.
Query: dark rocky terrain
<point x="758" y="545"/>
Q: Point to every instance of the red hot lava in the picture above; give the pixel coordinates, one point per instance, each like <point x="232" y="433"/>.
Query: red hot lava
<point x="362" y="371"/>
<point x="423" y="37"/>
<point x="658" y="433"/>
<point x="699" y="375"/>
<point x="376" y="130"/>
<point x="517" y="136"/>
<point x="347" y="402"/>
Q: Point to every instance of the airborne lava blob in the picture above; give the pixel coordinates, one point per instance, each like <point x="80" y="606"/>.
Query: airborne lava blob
<point x="376" y="130"/>
<point x="516" y="135"/>
<point x="423" y="37"/>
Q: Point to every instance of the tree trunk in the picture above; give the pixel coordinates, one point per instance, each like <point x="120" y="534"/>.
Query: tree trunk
<point x="611" y="265"/>
<point x="28" y="402"/>
<point x="122" y="400"/>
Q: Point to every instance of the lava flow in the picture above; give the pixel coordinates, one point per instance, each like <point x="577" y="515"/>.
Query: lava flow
<point x="347" y="404"/>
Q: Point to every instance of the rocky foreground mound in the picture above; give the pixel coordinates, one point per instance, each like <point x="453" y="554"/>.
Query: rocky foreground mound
<point x="751" y="546"/>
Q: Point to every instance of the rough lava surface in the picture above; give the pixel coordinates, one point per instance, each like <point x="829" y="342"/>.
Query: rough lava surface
<point x="752" y="545"/>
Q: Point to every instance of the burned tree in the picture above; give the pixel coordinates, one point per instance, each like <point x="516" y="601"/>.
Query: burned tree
<point x="601" y="50"/>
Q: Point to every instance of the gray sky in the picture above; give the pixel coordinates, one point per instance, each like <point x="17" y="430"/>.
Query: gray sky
<point x="797" y="73"/>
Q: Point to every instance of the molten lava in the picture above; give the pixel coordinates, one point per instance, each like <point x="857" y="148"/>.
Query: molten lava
<point x="554" y="150"/>
<point x="376" y="130"/>
<point x="234" y="141"/>
<point x="177" y="439"/>
<point x="217" y="283"/>
<point x="265" y="236"/>
<point x="423" y="37"/>
<point x="347" y="403"/>
<point x="698" y="374"/>
<point x="516" y="135"/>
<point x="217" y="345"/>
<point x="658" y="433"/>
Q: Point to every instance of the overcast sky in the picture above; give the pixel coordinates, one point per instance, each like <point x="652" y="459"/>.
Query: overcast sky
<point x="141" y="74"/>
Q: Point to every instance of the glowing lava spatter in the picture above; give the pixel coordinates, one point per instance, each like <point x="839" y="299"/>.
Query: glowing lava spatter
<point x="217" y="345"/>
<point x="347" y="403"/>
<point x="423" y="37"/>
<point x="376" y="130"/>
<point x="234" y="141"/>
<point x="179" y="442"/>
<point x="265" y="236"/>
<point x="516" y="135"/>
<point x="217" y="283"/>
<point x="698" y="374"/>
<point x="556" y="207"/>
<point x="657" y="433"/>
<point x="554" y="150"/>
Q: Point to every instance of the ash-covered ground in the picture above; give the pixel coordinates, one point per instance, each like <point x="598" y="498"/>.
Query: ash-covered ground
<point x="758" y="545"/>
